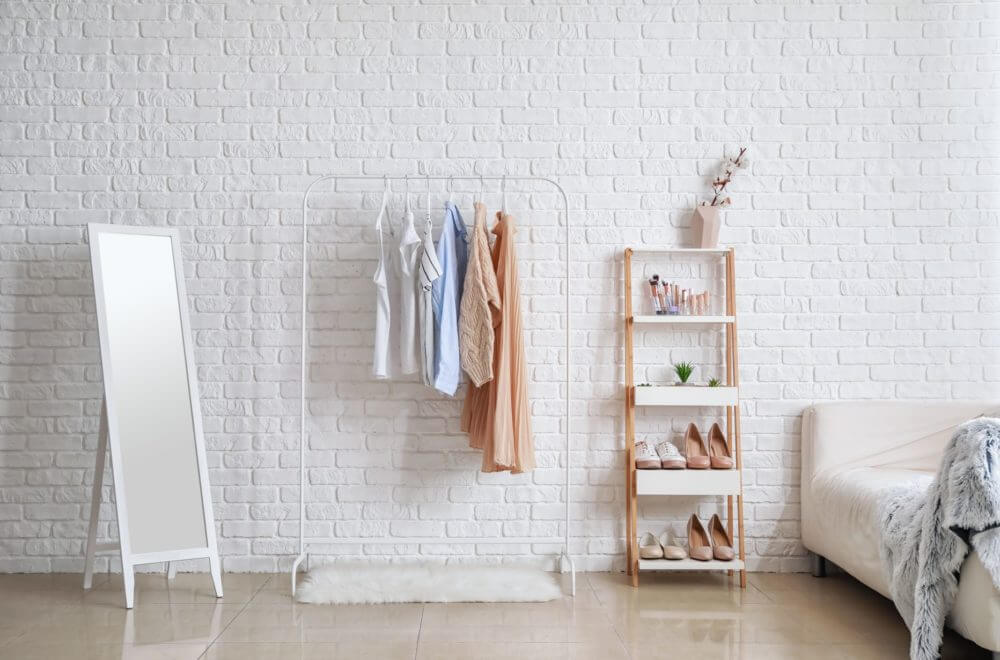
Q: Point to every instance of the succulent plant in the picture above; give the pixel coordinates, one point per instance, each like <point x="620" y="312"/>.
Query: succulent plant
<point x="683" y="371"/>
<point x="714" y="382"/>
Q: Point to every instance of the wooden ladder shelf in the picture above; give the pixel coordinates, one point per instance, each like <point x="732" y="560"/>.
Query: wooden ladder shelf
<point x="708" y="483"/>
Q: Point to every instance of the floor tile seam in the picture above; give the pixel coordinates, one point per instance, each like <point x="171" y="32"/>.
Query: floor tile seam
<point x="596" y="593"/>
<point x="420" y="629"/>
<point x="243" y="609"/>
<point x="618" y="634"/>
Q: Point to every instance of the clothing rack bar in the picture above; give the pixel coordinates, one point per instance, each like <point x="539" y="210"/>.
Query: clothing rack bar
<point x="565" y="559"/>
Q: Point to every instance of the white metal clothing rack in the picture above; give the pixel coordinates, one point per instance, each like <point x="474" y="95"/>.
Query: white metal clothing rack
<point x="565" y="560"/>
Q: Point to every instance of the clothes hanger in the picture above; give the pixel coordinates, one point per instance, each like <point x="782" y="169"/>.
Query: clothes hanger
<point x="451" y="188"/>
<point x="406" y="191"/>
<point x="386" y="195"/>
<point x="430" y="225"/>
<point x="503" y="192"/>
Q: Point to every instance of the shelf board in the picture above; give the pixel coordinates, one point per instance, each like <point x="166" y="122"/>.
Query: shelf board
<point x="689" y="395"/>
<point x="688" y="564"/>
<point x="694" y="320"/>
<point x="687" y="482"/>
<point x="676" y="250"/>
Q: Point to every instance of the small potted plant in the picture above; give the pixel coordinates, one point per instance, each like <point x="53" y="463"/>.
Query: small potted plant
<point x="683" y="371"/>
<point x="706" y="220"/>
<point x="714" y="382"/>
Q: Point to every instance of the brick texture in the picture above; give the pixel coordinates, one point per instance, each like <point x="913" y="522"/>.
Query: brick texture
<point x="866" y="230"/>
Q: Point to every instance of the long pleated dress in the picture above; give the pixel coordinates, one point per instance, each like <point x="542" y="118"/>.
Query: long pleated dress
<point x="500" y="418"/>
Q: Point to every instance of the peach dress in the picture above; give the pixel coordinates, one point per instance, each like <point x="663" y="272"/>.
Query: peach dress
<point x="497" y="415"/>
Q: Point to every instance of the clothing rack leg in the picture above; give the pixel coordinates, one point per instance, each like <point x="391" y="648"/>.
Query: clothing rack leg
<point x="295" y="570"/>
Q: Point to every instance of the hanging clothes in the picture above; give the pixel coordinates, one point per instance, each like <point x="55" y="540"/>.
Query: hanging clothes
<point x="480" y="304"/>
<point x="430" y="271"/>
<point x="452" y="254"/>
<point x="385" y="362"/>
<point x="409" y="256"/>
<point x="502" y="417"/>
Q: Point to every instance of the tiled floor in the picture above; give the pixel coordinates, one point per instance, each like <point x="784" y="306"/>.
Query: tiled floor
<point x="670" y="616"/>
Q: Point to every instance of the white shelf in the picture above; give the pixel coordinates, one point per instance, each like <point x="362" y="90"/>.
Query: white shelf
<point x="716" y="251"/>
<point x="687" y="482"/>
<point x="688" y="564"/>
<point x="694" y="320"/>
<point x="689" y="395"/>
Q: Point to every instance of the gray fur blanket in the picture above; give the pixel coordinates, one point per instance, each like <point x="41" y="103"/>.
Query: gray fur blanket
<point x="926" y="534"/>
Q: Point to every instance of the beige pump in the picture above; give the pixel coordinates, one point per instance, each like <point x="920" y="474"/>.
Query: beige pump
<point x="695" y="449"/>
<point x="699" y="545"/>
<point x="722" y="545"/>
<point x="721" y="456"/>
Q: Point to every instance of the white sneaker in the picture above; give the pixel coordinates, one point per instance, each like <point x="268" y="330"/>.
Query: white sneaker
<point x="645" y="456"/>
<point x="670" y="456"/>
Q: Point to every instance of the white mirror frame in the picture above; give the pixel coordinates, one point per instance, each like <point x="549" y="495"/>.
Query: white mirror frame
<point x="109" y="436"/>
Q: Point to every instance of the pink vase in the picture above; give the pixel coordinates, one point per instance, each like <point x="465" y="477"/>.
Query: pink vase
<point x="705" y="225"/>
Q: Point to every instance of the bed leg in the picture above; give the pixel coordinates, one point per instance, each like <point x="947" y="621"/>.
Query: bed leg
<point x="819" y="567"/>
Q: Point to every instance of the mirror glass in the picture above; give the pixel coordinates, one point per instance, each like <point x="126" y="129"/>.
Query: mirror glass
<point x="149" y="397"/>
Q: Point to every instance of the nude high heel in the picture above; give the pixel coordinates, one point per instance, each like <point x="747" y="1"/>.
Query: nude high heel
<point x="695" y="449"/>
<point x="721" y="456"/>
<point x="722" y="545"/>
<point x="699" y="545"/>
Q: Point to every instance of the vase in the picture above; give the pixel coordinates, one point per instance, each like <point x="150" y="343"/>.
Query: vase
<point x="705" y="225"/>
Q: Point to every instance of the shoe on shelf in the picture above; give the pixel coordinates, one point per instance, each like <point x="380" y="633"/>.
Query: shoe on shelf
<point x="645" y="456"/>
<point x="721" y="456"/>
<point x="699" y="544"/>
<point x="695" y="449"/>
<point x="671" y="551"/>
<point x="722" y="545"/>
<point x="670" y="456"/>
<point x="649" y="547"/>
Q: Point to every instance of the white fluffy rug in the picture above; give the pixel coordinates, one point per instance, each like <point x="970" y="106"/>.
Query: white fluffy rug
<point x="354" y="583"/>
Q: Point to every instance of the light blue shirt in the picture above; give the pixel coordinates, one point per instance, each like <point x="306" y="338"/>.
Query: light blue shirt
<point x="453" y="255"/>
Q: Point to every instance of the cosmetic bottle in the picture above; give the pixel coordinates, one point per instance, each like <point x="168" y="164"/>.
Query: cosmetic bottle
<point x="654" y="282"/>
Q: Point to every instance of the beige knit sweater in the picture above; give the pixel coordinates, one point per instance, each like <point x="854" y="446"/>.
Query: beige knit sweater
<point x="479" y="306"/>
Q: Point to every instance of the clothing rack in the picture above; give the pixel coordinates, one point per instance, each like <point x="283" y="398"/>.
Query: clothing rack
<point x="565" y="560"/>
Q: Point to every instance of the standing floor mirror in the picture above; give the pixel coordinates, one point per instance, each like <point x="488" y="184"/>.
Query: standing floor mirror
<point x="150" y="417"/>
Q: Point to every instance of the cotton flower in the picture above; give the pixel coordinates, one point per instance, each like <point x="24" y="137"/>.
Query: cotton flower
<point x="726" y="171"/>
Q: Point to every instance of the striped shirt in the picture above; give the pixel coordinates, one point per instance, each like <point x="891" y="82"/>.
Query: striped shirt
<point x="430" y="271"/>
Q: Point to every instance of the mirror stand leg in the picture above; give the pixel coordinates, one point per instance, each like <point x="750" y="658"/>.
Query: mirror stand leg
<point x="216" y="568"/>
<point x="128" y="580"/>
<point x="95" y="499"/>
<point x="171" y="570"/>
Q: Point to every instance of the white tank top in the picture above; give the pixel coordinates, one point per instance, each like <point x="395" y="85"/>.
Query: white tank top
<point x="409" y="269"/>
<point x="385" y="360"/>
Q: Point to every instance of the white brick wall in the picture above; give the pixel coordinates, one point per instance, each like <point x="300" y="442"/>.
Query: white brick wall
<point x="866" y="231"/>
